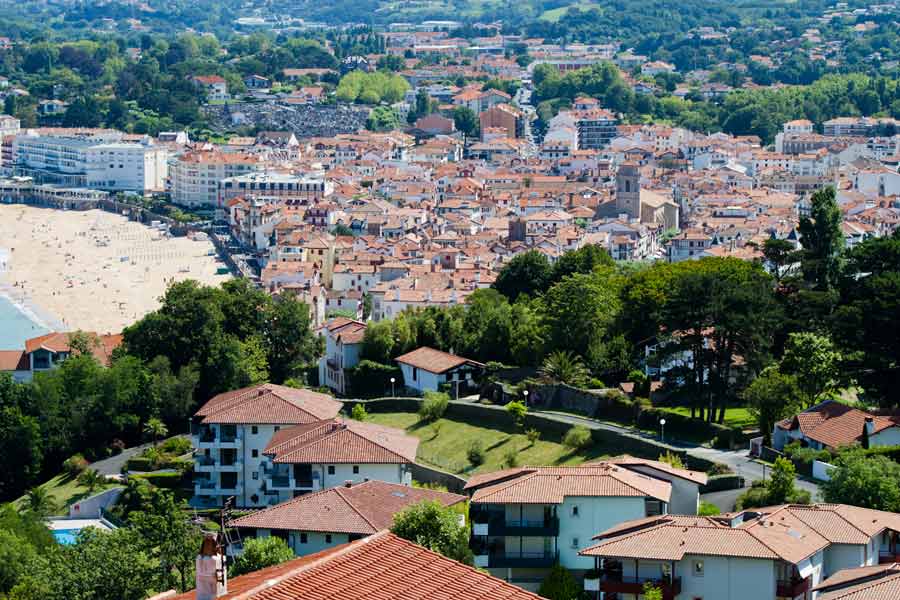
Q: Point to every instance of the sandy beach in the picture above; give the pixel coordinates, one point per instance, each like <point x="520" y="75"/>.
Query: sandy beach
<point x="93" y="270"/>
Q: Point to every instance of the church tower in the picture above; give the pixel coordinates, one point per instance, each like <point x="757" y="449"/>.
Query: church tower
<point x="628" y="190"/>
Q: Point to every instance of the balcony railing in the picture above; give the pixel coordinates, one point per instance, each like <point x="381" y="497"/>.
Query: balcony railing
<point x="612" y="583"/>
<point x="888" y="557"/>
<point x="791" y="588"/>
<point x="515" y="559"/>
<point x="497" y="524"/>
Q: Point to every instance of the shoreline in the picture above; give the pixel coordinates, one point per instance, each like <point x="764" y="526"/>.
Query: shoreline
<point x="92" y="270"/>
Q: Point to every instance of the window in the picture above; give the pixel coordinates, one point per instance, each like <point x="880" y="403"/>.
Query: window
<point x="254" y="430"/>
<point x="327" y="538"/>
<point x="356" y="469"/>
<point x="277" y="427"/>
<point x="575" y="510"/>
<point x="575" y="542"/>
<point x="303" y="538"/>
<point x="254" y="453"/>
<point x="255" y="475"/>
<point x="415" y="373"/>
<point x="331" y="469"/>
<point x="698" y="568"/>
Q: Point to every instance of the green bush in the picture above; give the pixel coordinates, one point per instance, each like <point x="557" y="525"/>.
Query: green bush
<point x="533" y="436"/>
<point x="719" y="483"/>
<point x="176" y="446"/>
<point x="75" y="465"/>
<point x="358" y="413"/>
<point x="434" y="405"/>
<point x="707" y="509"/>
<point x="475" y="453"/>
<point x="370" y="379"/>
<point x="511" y="458"/>
<point x="577" y="438"/>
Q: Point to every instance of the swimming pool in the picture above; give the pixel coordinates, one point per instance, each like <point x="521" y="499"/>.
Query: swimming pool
<point x="66" y="537"/>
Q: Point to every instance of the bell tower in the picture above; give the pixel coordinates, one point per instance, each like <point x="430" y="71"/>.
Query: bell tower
<point x="628" y="190"/>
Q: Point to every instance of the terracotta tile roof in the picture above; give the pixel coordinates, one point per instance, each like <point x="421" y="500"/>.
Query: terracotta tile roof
<point x="380" y="567"/>
<point x="364" y="508"/>
<point x="834" y="424"/>
<point x="59" y="342"/>
<point x="866" y="583"/>
<point x="550" y="485"/>
<point x="346" y="330"/>
<point x="627" y="461"/>
<point x="14" y="360"/>
<point x="791" y="533"/>
<point x="434" y="361"/>
<point x="342" y="441"/>
<point x="269" y="403"/>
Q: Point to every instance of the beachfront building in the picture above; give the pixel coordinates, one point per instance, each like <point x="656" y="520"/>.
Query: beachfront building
<point x="97" y="160"/>
<point x="526" y="520"/>
<point x="230" y="432"/>
<point x="283" y="188"/>
<point x="345" y="513"/>
<point x="194" y="177"/>
<point x="47" y="351"/>
<point x="426" y="369"/>
<point x="773" y="553"/>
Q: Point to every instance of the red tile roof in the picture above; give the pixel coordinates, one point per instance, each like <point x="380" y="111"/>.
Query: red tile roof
<point x="342" y="441"/>
<point x="834" y="424"/>
<point x="881" y="582"/>
<point x="57" y="342"/>
<point x="14" y="360"/>
<point x="380" y="567"/>
<point x="364" y="508"/>
<point x="269" y="403"/>
<point x="550" y="485"/>
<point x="627" y="461"/>
<point x="434" y="361"/>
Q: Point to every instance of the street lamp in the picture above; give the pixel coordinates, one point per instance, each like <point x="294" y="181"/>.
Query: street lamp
<point x="392" y="387"/>
<point x="525" y="393"/>
<point x="662" y="428"/>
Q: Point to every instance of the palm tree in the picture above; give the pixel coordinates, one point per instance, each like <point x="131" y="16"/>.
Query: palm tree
<point x="91" y="479"/>
<point x="156" y="429"/>
<point x="39" y="501"/>
<point x="564" y="367"/>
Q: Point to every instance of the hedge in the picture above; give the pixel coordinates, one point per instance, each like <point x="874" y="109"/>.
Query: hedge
<point x="143" y="464"/>
<point x="720" y="483"/>
<point x="370" y="378"/>
<point x="169" y="480"/>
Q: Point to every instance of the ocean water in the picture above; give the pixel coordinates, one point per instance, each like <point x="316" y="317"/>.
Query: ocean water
<point x="16" y="326"/>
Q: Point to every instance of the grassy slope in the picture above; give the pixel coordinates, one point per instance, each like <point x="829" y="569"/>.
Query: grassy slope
<point x="67" y="491"/>
<point x="734" y="416"/>
<point x="446" y="448"/>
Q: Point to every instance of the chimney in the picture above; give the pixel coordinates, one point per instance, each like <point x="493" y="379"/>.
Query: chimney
<point x="212" y="580"/>
<point x="870" y="426"/>
<point x="348" y="483"/>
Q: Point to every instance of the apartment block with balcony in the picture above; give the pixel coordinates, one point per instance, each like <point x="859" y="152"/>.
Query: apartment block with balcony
<point x="321" y="455"/>
<point x="230" y="432"/>
<point x="775" y="553"/>
<point x="314" y="522"/>
<point x="343" y="345"/>
<point x="525" y="520"/>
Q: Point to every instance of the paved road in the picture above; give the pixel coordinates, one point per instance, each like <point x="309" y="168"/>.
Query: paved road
<point x="114" y="464"/>
<point x="737" y="460"/>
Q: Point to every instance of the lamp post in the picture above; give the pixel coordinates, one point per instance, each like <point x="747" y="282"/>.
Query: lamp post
<point x="662" y="430"/>
<point x="392" y="387"/>
<point x="525" y="393"/>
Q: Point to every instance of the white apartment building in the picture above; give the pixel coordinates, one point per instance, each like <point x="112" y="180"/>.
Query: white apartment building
<point x="194" y="177"/>
<point x="343" y="346"/>
<point x="98" y="161"/>
<point x="268" y="443"/>
<point x="287" y="188"/>
<point x="525" y="520"/>
<point x="321" y="520"/>
<point x="774" y="553"/>
<point x="230" y="432"/>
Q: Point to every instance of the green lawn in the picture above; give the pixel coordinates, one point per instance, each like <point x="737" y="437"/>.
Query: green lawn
<point x="734" y="416"/>
<point x="445" y="445"/>
<point x="554" y="15"/>
<point x="67" y="491"/>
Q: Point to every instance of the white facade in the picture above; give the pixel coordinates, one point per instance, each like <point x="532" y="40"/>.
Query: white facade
<point x="127" y="167"/>
<point x="194" y="179"/>
<point x="229" y="461"/>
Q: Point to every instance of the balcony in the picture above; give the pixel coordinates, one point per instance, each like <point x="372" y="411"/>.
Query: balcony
<point x="887" y="557"/>
<point x="495" y="523"/>
<point x="613" y="583"/>
<point x="205" y="487"/>
<point x="204" y="464"/>
<point x="209" y="440"/>
<point x="791" y="589"/>
<point x="232" y="467"/>
<point x="281" y="482"/>
<point x="532" y="560"/>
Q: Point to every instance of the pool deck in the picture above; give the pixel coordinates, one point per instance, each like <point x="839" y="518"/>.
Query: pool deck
<point x="78" y="524"/>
